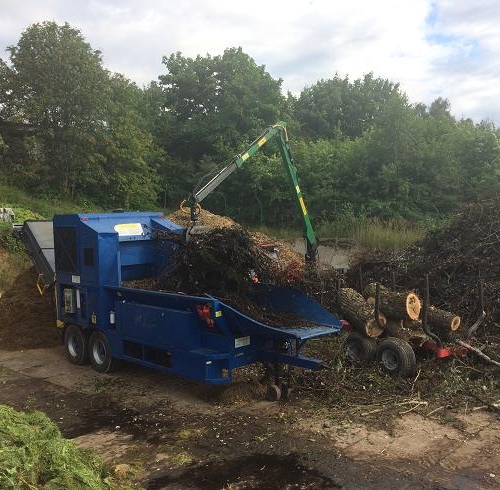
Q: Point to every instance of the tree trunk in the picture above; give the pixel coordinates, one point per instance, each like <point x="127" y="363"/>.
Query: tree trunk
<point x="442" y="330"/>
<point x="393" y="304"/>
<point x="371" y="289"/>
<point x="360" y="314"/>
<point x="400" y="305"/>
<point x="443" y="319"/>
<point x="409" y="330"/>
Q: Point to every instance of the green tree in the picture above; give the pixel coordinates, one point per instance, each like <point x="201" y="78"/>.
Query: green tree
<point x="123" y="172"/>
<point x="55" y="83"/>
<point x="477" y="148"/>
<point x="217" y="103"/>
<point x="337" y="105"/>
<point x="209" y="108"/>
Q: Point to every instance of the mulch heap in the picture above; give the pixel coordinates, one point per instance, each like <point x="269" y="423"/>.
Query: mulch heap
<point x="26" y="318"/>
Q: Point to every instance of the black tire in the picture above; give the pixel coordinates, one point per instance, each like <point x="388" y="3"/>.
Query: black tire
<point x="360" y="348"/>
<point x="100" y="353"/>
<point x="397" y="357"/>
<point x="76" y="345"/>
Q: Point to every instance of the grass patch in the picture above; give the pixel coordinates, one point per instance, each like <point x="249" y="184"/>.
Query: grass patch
<point x="365" y="232"/>
<point x="28" y="206"/>
<point x="375" y="232"/>
<point x="33" y="454"/>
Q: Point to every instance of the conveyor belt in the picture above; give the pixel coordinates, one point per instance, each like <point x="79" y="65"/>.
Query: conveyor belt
<point x="38" y="238"/>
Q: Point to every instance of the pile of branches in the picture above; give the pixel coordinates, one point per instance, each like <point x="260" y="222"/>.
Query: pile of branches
<point x="221" y="261"/>
<point x="455" y="257"/>
<point x="226" y="261"/>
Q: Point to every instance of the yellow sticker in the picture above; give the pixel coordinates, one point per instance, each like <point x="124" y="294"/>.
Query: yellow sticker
<point x="303" y="206"/>
<point x="129" y="229"/>
<point x="218" y="314"/>
<point x="261" y="141"/>
<point x="245" y="156"/>
<point x="297" y="188"/>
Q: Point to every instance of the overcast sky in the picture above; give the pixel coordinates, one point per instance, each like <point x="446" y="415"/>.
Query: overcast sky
<point x="448" y="48"/>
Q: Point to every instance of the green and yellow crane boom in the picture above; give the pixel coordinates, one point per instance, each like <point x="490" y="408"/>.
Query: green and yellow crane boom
<point x="278" y="133"/>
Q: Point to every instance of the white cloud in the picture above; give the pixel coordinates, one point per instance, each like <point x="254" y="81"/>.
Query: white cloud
<point x="437" y="48"/>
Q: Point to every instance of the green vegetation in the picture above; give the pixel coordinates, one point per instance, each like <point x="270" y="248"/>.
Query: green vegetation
<point x="38" y="206"/>
<point x="394" y="233"/>
<point x="376" y="233"/>
<point x="33" y="454"/>
<point x="372" y="165"/>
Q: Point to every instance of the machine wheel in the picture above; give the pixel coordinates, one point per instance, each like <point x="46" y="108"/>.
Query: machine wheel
<point x="360" y="348"/>
<point x="76" y="344"/>
<point x="397" y="357"/>
<point x="273" y="393"/>
<point x="100" y="353"/>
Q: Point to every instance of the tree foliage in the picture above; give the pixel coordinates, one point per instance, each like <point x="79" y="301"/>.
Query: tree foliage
<point x="58" y="86"/>
<point x="217" y="103"/>
<point x="338" y="106"/>
<point x="68" y="126"/>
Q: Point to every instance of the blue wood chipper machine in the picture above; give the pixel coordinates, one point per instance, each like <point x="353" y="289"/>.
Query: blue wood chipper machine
<point x="85" y="259"/>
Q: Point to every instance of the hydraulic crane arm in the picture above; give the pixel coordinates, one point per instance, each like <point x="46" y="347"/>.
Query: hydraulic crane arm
<point x="279" y="133"/>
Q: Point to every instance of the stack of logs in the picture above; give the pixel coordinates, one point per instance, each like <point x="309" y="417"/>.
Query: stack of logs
<point x="399" y="315"/>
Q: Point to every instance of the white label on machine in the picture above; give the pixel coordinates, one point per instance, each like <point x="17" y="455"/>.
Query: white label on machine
<point x="78" y="299"/>
<point x="129" y="229"/>
<point x="75" y="279"/>
<point x="241" y="342"/>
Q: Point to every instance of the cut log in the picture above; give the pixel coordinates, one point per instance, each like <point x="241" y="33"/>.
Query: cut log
<point x="376" y="327"/>
<point x="360" y="314"/>
<point x="393" y="304"/>
<point x="443" y="319"/>
<point x="400" y="305"/>
<point x="444" y="333"/>
<point x="409" y="330"/>
<point x="412" y="324"/>
<point x="394" y="328"/>
<point x="371" y="289"/>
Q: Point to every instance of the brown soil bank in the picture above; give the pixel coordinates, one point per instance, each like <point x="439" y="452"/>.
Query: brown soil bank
<point x="26" y="318"/>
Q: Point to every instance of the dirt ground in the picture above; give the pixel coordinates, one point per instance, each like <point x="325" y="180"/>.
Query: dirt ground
<point x="159" y="431"/>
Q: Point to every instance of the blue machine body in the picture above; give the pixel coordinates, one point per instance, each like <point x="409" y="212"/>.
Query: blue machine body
<point x="197" y="337"/>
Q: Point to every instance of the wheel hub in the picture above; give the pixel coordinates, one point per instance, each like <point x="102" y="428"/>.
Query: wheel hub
<point x="99" y="352"/>
<point x="74" y="346"/>
<point x="389" y="360"/>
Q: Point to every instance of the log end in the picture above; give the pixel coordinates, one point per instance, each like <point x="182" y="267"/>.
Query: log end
<point x="455" y="323"/>
<point x="373" y="329"/>
<point x="413" y="306"/>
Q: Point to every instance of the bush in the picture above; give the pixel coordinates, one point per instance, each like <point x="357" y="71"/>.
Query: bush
<point x="7" y="239"/>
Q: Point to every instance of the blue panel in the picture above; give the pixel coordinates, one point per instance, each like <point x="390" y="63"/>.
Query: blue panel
<point x="294" y="301"/>
<point x="158" y="326"/>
